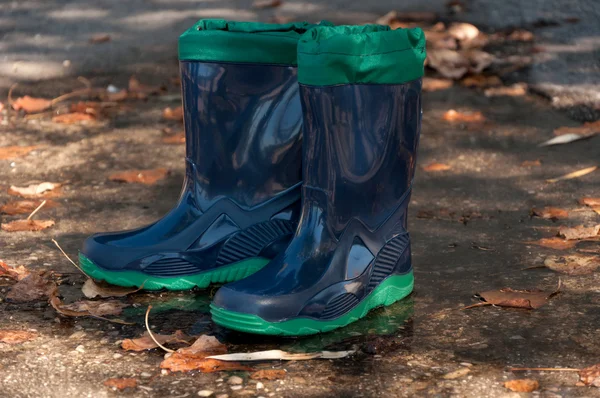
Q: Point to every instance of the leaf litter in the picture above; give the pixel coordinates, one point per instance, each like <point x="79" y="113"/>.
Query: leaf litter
<point x="550" y="213"/>
<point x="555" y="243"/>
<point x="14" y="273"/>
<point x="148" y="177"/>
<point x="25" y="206"/>
<point x="35" y="286"/>
<point x="146" y="342"/>
<point x="522" y="385"/>
<point x="508" y="297"/>
<point x="16" y="336"/>
<point x="13" y="152"/>
<point x="573" y="264"/>
<point x="92" y="289"/>
<point x="121" y="383"/>
<point x="579" y="232"/>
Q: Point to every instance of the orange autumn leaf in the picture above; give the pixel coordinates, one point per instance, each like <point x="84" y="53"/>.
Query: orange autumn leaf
<point x="16" y="336"/>
<point x="590" y="375"/>
<point x="590" y="201"/>
<point x="177" y="138"/>
<point x="437" y="167"/>
<point x="147" y="177"/>
<point x="507" y="297"/>
<point x="12" y="152"/>
<point x="99" y="38"/>
<point x="16" y="273"/>
<point x="74" y="117"/>
<point x="522" y="385"/>
<point x="554" y="243"/>
<point x="480" y="81"/>
<point x="173" y="114"/>
<point x="26" y="225"/>
<point x="516" y="90"/>
<point x="550" y="213"/>
<point x="147" y="343"/>
<point x="587" y="129"/>
<point x="268" y="374"/>
<point x="121" y="384"/>
<point x="31" y="105"/>
<point x="464" y="117"/>
<point x="178" y="362"/>
<point x="531" y="163"/>
<point x="435" y="84"/>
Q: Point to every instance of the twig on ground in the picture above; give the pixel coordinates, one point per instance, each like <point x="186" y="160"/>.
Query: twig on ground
<point x="152" y="336"/>
<point x="36" y="210"/>
<point x="68" y="258"/>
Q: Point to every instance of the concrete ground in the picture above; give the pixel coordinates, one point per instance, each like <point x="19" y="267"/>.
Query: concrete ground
<point x="405" y="350"/>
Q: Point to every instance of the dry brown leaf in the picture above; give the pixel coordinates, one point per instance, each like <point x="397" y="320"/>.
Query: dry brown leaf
<point x="463" y="117"/>
<point x="194" y="357"/>
<point x="588" y="129"/>
<point x="16" y="273"/>
<point x="550" y="213"/>
<point x="99" y="38"/>
<point x="590" y="376"/>
<point x="25" y="206"/>
<point x="579" y="232"/>
<point x="435" y="84"/>
<point x="121" y="384"/>
<point x="13" y="152"/>
<point x="31" y="105"/>
<point x="481" y="81"/>
<point x="146" y="343"/>
<point x="575" y="174"/>
<point x="95" y="308"/>
<point x="478" y="60"/>
<point x="522" y="385"/>
<point x="92" y="289"/>
<point x="74" y="117"/>
<point x="177" y="138"/>
<point x="516" y="90"/>
<point x="141" y="91"/>
<point x="173" y="114"/>
<point x="36" y="286"/>
<point x="520" y="35"/>
<point x="437" y="167"/>
<point x="531" y="163"/>
<point x="573" y="265"/>
<point x="34" y="190"/>
<point x="448" y="63"/>
<point x="554" y="243"/>
<point x="260" y="4"/>
<point x="463" y="31"/>
<point x="91" y="107"/>
<point x="590" y="201"/>
<point x="26" y="225"/>
<point x="16" y="336"/>
<point x="268" y="374"/>
<point x="507" y="297"/>
<point x="147" y="177"/>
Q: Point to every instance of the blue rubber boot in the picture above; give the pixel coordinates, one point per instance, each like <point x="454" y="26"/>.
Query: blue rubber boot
<point x="360" y="89"/>
<point x="241" y="196"/>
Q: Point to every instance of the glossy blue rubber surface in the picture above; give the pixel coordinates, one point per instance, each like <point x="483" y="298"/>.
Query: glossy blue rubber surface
<point x="359" y="155"/>
<point x="241" y="192"/>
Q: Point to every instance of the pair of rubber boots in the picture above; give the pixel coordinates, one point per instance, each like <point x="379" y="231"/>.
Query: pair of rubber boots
<point x="301" y="145"/>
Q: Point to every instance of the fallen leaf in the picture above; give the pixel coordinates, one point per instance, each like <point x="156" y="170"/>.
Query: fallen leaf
<point x="13" y="152"/>
<point x="550" y="213"/>
<point x="36" y="286"/>
<point x="456" y="374"/>
<point x="588" y="129"/>
<point x="34" y="190"/>
<point x="25" y="206"/>
<point x="479" y="60"/>
<point x="435" y="84"/>
<point x="579" y="232"/>
<point x="95" y="308"/>
<point x="282" y="355"/>
<point x="173" y="114"/>
<point x="531" y="163"/>
<point x="195" y="356"/>
<point x="16" y="273"/>
<point x="437" y="167"/>
<point x="554" y="243"/>
<point x="260" y="4"/>
<point x="147" y="177"/>
<point x="507" y="297"/>
<point x="520" y="35"/>
<point x="463" y="117"/>
<point x="516" y="90"/>
<point x="448" y="63"/>
<point x="575" y="174"/>
<point x="481" y="81"/>
<point x="593" y="203"/>
<point x="74" y="117"/>
<point x="99" y="38"/>
<point x="31" y="105"/>
<point x="146" y="343"/>
<point x="141" y="91"/>
<point x="92" y="289"/>
<point x="16" y="336"/>
<point x="522" y="385"/>
<point x="573" y="265"/>
<point x="268" y="374"/>
<point x="463" y="31"/>
<point x="91" y="107"/>
<point x="590" y="376"/>
<point x="26" y="225"/>
<point x="178" y="138"/>
<point x="121" y="384"/>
